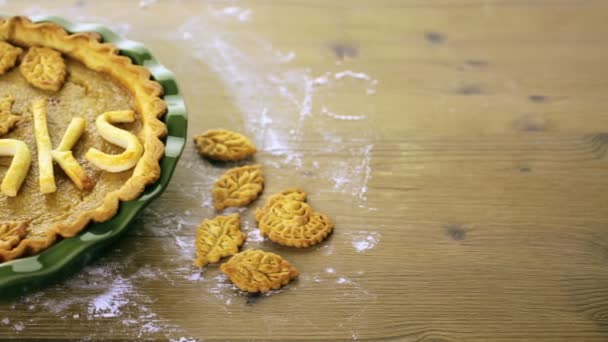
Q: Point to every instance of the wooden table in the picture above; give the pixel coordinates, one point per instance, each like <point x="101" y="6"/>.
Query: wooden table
<point x="458" y="145"/>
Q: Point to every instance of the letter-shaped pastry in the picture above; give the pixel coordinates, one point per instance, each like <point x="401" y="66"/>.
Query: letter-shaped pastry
<point x="17" y="171"/>
<point x="127" y="140"/>
<point x="62" y="154"/>
<point x="43" y="144"/>
<point x="64" y="157"/>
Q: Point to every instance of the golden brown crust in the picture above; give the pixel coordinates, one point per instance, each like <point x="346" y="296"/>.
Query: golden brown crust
<point x="8" y="56"/>
<point x="289" y="221"/>
<point x="238" y="187"/>
<point x="259" y="271"/>
<point x="8" y="120"/>
<point x="44" y="68"/>
<point x="11" y="233"/>
<point x="218" y="238"/>
<point x="221" y="144"/>
<point x="293" y="194"/>
<point x="88" y="49"/>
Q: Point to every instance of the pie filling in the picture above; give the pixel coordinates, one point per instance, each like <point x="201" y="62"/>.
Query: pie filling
<point x="86" y="94"/>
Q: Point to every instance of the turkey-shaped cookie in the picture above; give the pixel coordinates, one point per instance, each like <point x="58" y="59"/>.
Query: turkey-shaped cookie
<point x="44" y="68"/>
<point x="218" y="238"/>
<point x="289" y="221"/>
<point x="220" y="144"/>
<point x="291" y="194"/>
<point x="259" y="271"/>
<point x="8" y="56"/>
<point x="238" y="187"/>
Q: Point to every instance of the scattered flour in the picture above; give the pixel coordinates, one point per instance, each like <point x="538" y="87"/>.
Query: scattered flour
<point x="195" y="276"/>
<point x="233" y="12"/>
<point x="118" y="299"/>
<point x="373" y="83"/>
<point x="223" y="290"/>
<point x="284" y="99"/>
<point x="343" y="280"/>
<point x="19" y="326"/>
<point x="183" y="339"/>
<point x="143" y="4"/>
<point x="285" y="57"/>
<point x="186" y="246"/>
<point x="349" y="73"/>
<point x="333" y="115"/>
<point x="278" y="102"/>
<point x="255" y="236"/>
<point x="110" y="303"/>
<point x="352" y="178"/>
<point x="364" y="241"/>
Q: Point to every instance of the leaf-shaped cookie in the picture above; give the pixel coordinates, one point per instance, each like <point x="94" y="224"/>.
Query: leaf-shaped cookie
<point x="259" y="271"/>
<point x="220" y="144"/>
<point x="8" y="56"/>
<point x="238" y="187"/>
<point x="218" y="238"/>
<point x="43" y="68"/>
<point x="7" y="119"/>
<point x="11" y="233"/>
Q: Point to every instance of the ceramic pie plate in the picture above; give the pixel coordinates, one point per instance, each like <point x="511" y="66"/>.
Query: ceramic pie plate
<point x="21" y="275"/>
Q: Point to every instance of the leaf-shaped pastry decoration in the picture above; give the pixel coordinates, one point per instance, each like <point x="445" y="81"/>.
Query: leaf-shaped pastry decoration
<point x="44" y="68"/>
<point x="220" y="144"/>
<point x="11" y="233"/>
<point x="218" y="238"/>
<point x="289" y="221"/>
<point x="259" y="271"/>
<point x="8" y="120"/>
<point x="8" y="56"/>
<point x="238" y="187"/>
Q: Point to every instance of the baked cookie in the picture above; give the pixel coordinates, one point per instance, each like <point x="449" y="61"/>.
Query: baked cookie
<point x="7" y="119"/>
<point x="259" y="271"/>
<point x="221" y="144"/>
<point x="44" y="68"/>
<point x="289" y="221"/>
<point x="238" y="187"/>
<point x="293" y="194"/>
<point x="8" y="56"/>
<point x="218" y="238"/>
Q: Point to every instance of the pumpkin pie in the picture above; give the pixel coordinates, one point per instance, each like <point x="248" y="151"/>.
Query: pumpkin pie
<point x="79" y="133"/>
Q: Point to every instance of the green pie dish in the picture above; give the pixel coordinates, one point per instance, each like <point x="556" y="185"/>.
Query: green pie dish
<point x="26" y="274"/>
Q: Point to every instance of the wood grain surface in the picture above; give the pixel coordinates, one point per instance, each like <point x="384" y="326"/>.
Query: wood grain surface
<point x="459" y="146"/>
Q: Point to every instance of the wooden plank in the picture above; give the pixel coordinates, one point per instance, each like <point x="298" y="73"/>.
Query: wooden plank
<point x="468" y="185"/>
